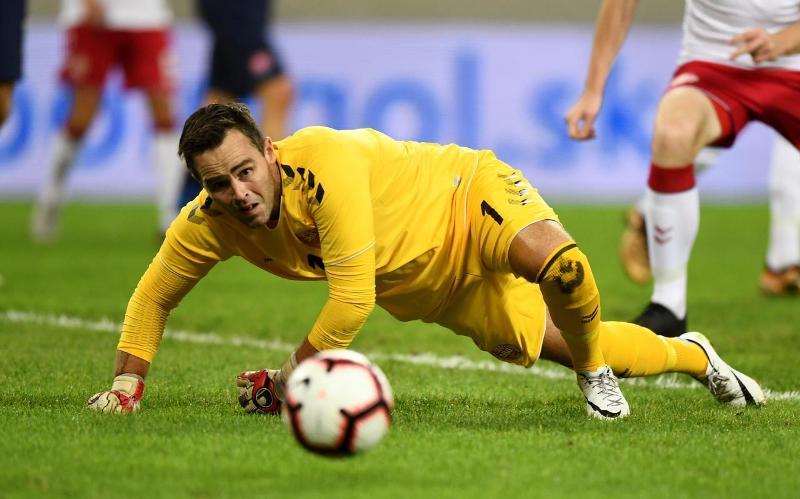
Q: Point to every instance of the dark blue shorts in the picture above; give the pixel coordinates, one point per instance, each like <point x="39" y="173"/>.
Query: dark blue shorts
<point x="242" y="54"/>
<point x="12" y="14"/>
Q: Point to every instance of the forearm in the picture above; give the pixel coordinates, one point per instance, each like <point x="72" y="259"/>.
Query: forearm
<point x="351" y="298"/>
<point x="158" y="292"/>
<point x="336" y="327"/>
<point x="613" y="23"/>
<point x="304" y="351"/>
<point x="337" y="324"/>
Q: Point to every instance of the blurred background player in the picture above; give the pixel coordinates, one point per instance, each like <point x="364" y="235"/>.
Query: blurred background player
<point x="735" y="66"/>
<point x="101" y="35"/>
<point x="244" y="63"/>
<point x="12" y="15"/>
<point x="781" y="273"/>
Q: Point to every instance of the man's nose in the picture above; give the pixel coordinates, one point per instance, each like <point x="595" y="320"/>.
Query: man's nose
<point x="239" y="190"/>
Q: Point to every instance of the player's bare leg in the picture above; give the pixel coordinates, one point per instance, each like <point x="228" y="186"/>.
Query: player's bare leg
<point x="633" y="252"/>
<point x="44" y="222"/>
<point x="276" y="96"/>
<point x="685" y="123"/>
<point x="633" y="247"/>
<point x="168" y="169"/>
<point x="543" y="253"/>
<point x="6" y="92"/>
<point x="554" y="348"/>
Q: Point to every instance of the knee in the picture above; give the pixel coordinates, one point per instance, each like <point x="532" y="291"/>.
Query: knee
<point x="163" y="124"/>
<point x="77" y="128"/>
<point x="570" y="291"/>
<point x="533" y="246"/>
<point x="675" y="138"/>
<point x="163" y="120"/>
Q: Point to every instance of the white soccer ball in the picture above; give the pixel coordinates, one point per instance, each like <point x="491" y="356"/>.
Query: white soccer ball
<point x="338" y="403"/>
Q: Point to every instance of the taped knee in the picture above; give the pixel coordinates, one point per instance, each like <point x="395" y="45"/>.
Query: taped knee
<point x="570" y="291"/>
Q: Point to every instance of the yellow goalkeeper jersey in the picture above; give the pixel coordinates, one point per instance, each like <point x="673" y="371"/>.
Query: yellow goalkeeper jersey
<point x="373" y="215"/>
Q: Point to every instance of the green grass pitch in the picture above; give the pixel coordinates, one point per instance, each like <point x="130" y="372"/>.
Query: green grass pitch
<point x="469" y="430"/>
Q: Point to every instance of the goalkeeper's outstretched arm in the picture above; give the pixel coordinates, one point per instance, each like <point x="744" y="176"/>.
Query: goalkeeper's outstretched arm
<point x="351" y="298"/>
<point x="159" y="291"/>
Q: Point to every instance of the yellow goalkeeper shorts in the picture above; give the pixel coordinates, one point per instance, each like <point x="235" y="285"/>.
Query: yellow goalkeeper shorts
<point x="504" y="315"/>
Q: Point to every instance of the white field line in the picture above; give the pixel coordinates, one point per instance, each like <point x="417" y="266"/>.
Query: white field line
<point x="422" y="359"/>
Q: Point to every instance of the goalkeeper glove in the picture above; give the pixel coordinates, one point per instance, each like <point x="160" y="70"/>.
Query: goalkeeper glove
<point x="124" y="396"/>
<point x="259" y="391"/>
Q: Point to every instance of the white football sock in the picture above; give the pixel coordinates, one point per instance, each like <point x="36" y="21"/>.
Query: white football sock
<point x="705" y="159"/>
<point x="672" y="224"/>
<point x="784" y="203"/>
<point x="64" y="151"/>
<point x="46" y="210"/>
<point x="168" y="175"/>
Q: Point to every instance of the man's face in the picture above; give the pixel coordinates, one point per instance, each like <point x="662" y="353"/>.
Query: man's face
<point x="240" y="179"/>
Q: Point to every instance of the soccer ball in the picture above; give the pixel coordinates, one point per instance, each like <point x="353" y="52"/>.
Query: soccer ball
<point x="338" y="403"/>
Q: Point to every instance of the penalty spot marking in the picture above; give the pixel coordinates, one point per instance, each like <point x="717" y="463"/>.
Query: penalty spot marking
<point x="421" y="359"/>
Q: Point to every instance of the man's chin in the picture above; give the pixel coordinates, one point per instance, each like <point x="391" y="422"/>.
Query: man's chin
<point x="252" y="221"/>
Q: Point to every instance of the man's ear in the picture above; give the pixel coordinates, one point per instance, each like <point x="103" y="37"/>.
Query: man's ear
<point x="269" y="150"/>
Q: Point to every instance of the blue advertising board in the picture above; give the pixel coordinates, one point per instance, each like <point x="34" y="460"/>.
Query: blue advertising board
<point x="485" y="86"/>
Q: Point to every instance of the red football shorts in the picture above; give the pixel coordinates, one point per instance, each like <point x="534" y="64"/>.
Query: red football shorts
<point x="143" y="55"/>
<point x="768" y="95"/>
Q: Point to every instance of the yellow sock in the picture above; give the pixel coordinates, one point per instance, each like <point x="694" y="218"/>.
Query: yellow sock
<point x="586" y="350"/>
<point x="632" y="350"/>
<point x="571" y="295"/>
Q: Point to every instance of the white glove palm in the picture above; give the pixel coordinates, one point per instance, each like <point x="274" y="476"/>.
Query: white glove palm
<point x="123" y="397"/>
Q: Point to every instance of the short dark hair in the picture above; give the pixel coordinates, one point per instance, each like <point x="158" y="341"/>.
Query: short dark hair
<point x="206" y="129"/>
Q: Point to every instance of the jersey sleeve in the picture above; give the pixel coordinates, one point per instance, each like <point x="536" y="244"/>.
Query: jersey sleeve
<point x="194" y="243"/>
<point x="341" y="205"/>
<point x="351" y="298"/>
<point x="189" y="251"/>
<point x="159" y="291"/>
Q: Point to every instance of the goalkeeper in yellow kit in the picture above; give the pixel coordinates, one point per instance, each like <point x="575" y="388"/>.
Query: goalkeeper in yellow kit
<point x="443" y="234"/>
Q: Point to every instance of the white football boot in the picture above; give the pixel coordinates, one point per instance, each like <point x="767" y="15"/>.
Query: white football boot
<point x="604" y="400"/>
<point x="725" y="383"/>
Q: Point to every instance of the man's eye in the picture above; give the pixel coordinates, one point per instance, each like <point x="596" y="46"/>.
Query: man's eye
<point x="246" y="172"/>
<point x="216" y="186"/>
